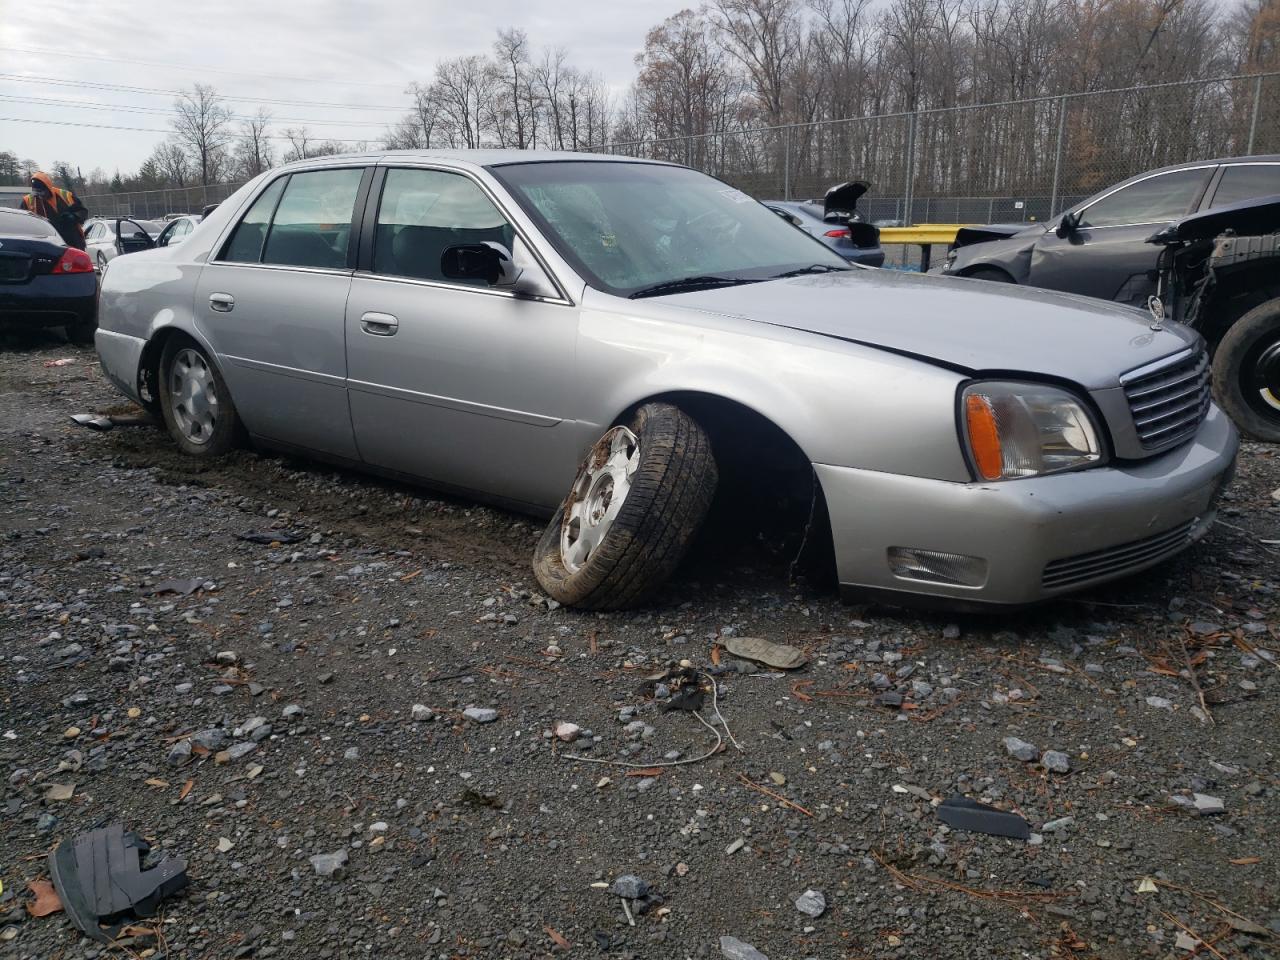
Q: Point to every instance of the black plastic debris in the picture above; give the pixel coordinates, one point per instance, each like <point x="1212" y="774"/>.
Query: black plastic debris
<point x="269" y="537"/>
<point x="99" y="878"/>
<point x="182" y="587"/>
<point x="961" y="813"/>
<point x="679" y="688"/>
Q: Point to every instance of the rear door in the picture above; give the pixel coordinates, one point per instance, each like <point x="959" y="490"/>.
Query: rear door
<point x="458" y="383"/>
<point x="272" y="305"/>
<point x="1244" y="181"/>
<point x="1107" y="255"/>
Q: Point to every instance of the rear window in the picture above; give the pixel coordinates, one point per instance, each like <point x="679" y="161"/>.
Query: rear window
<point x="15" y="223"/>
<point x="1246" y="181"/>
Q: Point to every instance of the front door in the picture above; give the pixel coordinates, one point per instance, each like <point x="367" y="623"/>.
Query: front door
<point x="1107" y="255"/>
<point x="459" y="384"/>
<point x="272" y="306"/>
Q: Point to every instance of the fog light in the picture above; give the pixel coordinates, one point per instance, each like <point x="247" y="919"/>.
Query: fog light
<point x="931" y="566"/>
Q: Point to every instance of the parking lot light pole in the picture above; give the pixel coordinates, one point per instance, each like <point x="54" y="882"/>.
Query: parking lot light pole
<point x="1253" y="123"/>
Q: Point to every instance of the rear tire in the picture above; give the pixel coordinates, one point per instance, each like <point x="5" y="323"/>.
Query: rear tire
<point x="81" y="333"/>
<point x="195" y="401"/>
<point x="1246" y="372"/>
<point x="992" y="274"/>
<point x="666" y="465"/>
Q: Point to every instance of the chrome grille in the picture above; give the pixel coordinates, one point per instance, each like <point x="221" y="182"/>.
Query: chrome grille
<point x="1168" y="398"/>
<point x="1113" y="561"/>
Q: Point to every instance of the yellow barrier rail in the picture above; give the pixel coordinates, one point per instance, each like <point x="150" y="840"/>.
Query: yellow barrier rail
<point x="923" y="235"/>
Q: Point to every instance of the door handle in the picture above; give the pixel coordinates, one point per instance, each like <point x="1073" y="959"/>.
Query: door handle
<point x="222" y="302"/>
<point x="379" y="324"/>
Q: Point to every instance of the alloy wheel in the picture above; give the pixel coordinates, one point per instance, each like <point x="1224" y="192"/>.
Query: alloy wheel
<point x="597" y="496"/>
<point x="193" y="395"/>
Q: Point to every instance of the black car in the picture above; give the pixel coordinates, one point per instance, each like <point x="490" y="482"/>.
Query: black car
<point x="836" y="221"/>
<point x="43" y="282"/>
<point x="1099" y="247"/>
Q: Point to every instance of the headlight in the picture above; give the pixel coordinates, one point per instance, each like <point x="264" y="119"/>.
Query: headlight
<point x="1026" y="430"/>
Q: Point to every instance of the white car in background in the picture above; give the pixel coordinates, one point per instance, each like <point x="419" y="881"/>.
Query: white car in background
<point x="107" y="238"/>
<point x="177" y="229"/>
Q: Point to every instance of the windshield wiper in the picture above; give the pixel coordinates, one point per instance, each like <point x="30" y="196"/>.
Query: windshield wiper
<point x="812" y="268"/>
<point x="690" y="283"/>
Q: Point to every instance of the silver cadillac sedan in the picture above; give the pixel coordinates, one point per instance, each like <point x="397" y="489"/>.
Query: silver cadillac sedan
<point x="610" y="341"/>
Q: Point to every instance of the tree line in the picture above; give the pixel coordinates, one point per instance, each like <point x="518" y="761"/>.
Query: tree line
<point x="708" y="79"/>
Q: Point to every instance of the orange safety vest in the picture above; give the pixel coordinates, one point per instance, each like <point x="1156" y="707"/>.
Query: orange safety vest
<point x="61" y="201"/>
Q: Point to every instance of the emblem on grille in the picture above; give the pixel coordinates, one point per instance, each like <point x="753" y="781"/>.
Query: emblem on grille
<point x="1156" y="307"/>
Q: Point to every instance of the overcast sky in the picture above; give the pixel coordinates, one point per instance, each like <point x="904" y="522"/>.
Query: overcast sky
<point x="348" y="52"/>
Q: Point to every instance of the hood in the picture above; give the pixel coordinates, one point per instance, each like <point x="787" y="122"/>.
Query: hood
<point x="966" y="325"/>
<point x="45" y="179"/>
<point x="966" y="236"/>
<point x="1246" y="217"/>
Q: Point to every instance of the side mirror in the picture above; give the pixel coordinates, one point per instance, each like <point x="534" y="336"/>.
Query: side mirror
<point x="488" y="261"/>
<point x="1067" y="225"/>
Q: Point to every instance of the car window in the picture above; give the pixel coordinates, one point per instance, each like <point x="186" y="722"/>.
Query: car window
<point x="169" y="234"/>
<point x="312" y="225"/>
<point x="1155" y="200"/>
<point x="16" y="224"/>
<point x="629" y="226"/>
<point x="1245" y="181"/>
<point x="422" y="213"/>
<point x="93" y="232"/>
<point x="245" y="245"/>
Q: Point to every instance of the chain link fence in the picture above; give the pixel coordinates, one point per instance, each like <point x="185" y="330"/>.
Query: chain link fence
<point x="156" y="204"/>
<point x="1018" y="160"/>
<point x="1021" y="160"/>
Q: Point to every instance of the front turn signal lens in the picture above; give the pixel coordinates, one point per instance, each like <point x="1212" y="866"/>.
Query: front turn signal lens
<point x="1015" y="429"/>
<point x="984" y="437"/>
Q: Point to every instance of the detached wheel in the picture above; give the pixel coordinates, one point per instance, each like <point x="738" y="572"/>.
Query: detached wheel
<point x="637" y="502"/>
<point x="1246" y="372"/>
<point x="195" y="401"/>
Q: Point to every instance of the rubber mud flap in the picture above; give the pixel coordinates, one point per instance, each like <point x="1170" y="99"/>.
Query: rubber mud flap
<point x="99" y="877"/>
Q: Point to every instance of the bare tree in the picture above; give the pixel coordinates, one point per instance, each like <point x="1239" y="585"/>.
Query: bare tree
<point x="300" y="140"/>
<point x="465" y="89"/>
<point x="202" y="125"/>
<point x="253" y="149"/>
<point x="514" y="117"/>
<point x="765" y="37"/>
<point x="172" y="163"/>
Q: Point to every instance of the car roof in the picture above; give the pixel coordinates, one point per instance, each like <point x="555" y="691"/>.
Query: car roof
<point x="1222" y="161"/>
<point x="479" y="158"/>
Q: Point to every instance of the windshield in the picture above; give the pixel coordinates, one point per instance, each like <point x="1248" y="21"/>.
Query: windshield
<point x="627" y="227"/>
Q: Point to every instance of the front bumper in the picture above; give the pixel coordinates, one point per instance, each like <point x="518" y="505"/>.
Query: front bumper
<point x="1040" y="537"/>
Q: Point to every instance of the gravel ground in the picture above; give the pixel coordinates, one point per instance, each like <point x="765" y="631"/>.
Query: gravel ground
<point x="308" y="707"/>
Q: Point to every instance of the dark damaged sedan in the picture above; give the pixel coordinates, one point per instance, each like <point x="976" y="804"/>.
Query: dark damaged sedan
<point x="43" y="282"/>
<point x="1099" y="247"/>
